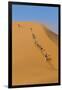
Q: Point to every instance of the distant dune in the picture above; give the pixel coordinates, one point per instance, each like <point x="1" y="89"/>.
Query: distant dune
<point x="34" y="55"/>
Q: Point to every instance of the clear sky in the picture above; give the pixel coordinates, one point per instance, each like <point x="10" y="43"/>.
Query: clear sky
<point x="43" y="14"/>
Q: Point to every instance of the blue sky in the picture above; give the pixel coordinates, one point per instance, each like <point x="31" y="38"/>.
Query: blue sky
<point x="43" y="14"/>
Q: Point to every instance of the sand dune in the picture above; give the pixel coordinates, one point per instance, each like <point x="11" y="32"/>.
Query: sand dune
<point x="34" y="55"/>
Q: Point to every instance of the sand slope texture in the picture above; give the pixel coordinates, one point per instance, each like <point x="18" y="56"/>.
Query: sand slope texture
<point x="34" y="54"/>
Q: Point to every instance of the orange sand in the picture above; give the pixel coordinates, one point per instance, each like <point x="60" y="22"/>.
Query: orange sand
<point x="29" y="66"/>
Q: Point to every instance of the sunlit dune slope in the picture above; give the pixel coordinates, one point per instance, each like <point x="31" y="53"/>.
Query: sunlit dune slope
<point x="34" y="54"/>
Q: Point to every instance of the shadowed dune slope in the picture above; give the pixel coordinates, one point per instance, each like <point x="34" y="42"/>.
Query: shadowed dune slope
<point x="34" y="54"/>
<point x="53" y="36"/>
